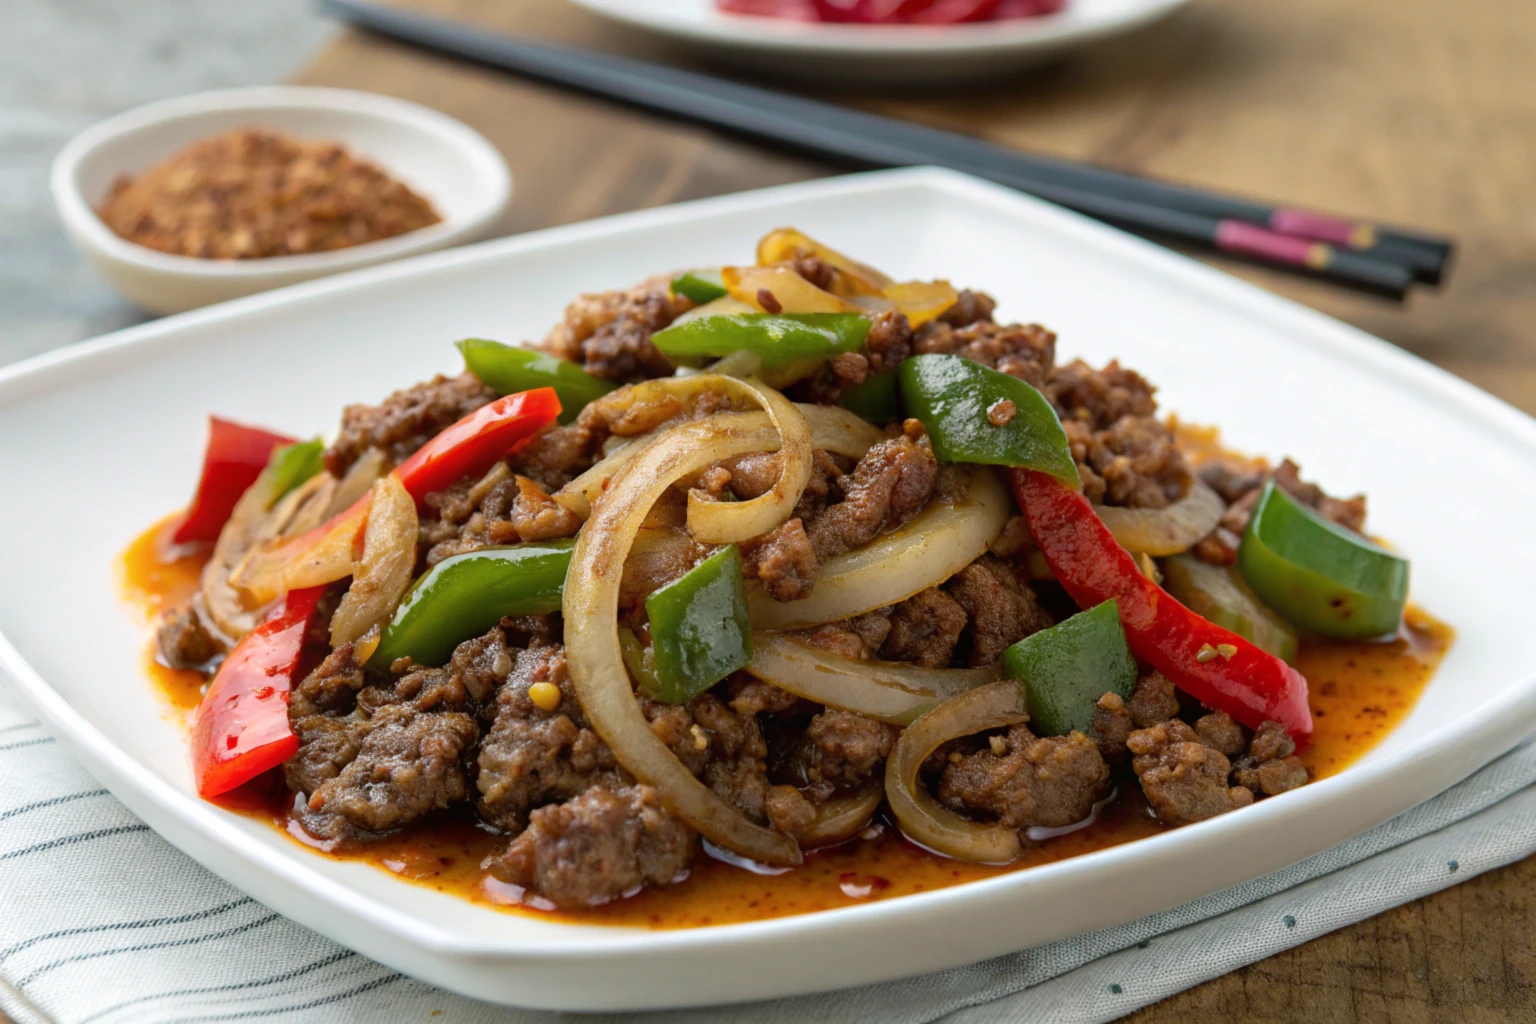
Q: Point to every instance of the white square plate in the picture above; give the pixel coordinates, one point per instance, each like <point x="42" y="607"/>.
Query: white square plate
<point x="108" y="434"/>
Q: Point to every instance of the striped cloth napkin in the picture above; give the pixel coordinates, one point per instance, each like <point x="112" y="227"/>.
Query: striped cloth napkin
<point x="101" y="920"/>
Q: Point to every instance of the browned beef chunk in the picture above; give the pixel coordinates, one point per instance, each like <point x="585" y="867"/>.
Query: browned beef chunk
<point x="1219" y="731"/>
<point x="661" y="553"/>
<point x="1240" y="487"/>
<point x="784" y="560"/>
<point x="1001" y="612"/>
<point x="558" y="455"/>
<point x="596" y="847"/>
<point x="532" y="756"/>
<point x="749" y="696"/>
<point x="1183" y="779"/>
<point x="789" y="811"/>
<point x="1026" y="351"/>
<point x="498" y="508"/>
<point x="737" y="767"/>
<point x="467" y="683"/>
<point x="840" y="751"/>
<point x="405" y="420"/>
<point x="1153" y="700"/>
<point x="970" y="308"/>
<point x="609" y="333"/>
<point x="889" y="341"/>
<point x="1124" y="454"/>
<point x="183" y="641"/>
<point x="1269" y="767"/>
<point x="1052" y="781"/>
<point x="837" y="638"/>
<point x="1112" y="725"/>
<point x="320" y="711"/>
<point x="409" y="762"/>
<point x="925" y="629"/>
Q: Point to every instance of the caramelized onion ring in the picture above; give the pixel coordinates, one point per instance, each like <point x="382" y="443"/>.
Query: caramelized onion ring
<point x="596" y="664"/>
<point x="843" y="817"/>
<point x="890" y="691"/>
<point x="943" y="539"/>
<point x="923" y="819"/>
<point x="384" y="572"/>
<point x="729" y="522"/>
<point x="1165" y="531"/>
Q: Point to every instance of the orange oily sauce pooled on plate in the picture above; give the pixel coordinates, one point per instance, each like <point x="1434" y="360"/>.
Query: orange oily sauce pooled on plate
<point x="1359" y="693"/>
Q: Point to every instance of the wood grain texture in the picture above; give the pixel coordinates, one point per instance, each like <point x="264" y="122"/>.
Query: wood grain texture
<point x="1417" y="112"/>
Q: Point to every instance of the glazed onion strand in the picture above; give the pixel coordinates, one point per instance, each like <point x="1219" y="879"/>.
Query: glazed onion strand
<point x="843" y="817"/>
<point x="593" y="654"/>
<point x="384" y="571"/>
<point x="1165" y="531"/>
<point x="729" y="522"/>
<point x="922" y="818"/>
<point x="889" y="691"/>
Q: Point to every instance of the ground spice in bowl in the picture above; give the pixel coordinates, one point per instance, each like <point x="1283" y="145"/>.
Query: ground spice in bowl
<point x="252" y="193"/>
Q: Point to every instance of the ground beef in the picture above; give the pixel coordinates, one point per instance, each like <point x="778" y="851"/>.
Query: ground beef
<point x="749" y="696"/>
<point x="839" y="752"/>
<point x="405" y="420"/>
<point x="889" y="341"/>
<point x="1125" y="455"/>
<point x="789" y="811"/>
<point x="1026" y="351"/>
<point x="330" y="688"/>
<point x="969" y="308"/>
<point x="467" y="683"/>
<point x="925" y="629"/>
<point x="890" y="484"/>
<point x="184" y="642"/>
<point x="1269" y="767"/>
<point x="596" y="847"/>
<point x="1183" y="779"/>
<point x="532" y="757"/>
<point x="409" y="762"/>
<point x="1219" y="731"/>
<point x="1240" y="486"/>
<point x="1001" y="612"/>
<point x="558" y="455"/>
<point x="1052" y="781"/>
<point x="609" y="333"/>
<point x="1111" y="726"/>
<point x="1153" y="700"/>
<point x="498" y="508"/>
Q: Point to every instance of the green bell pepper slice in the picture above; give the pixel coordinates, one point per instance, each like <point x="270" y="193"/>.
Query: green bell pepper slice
<point x="291" y="466"/>
<point x="1066" y="669"/>
<point x="700" y="632"/>
<point x="1220" y="594"/>
<point x="700" y="285"/>
<point x="509" y="369"/>
<point x="463" y="596"/>
<point x="877" y="399"/>
<point x="953" y="397"/>
<point x="781" y="339"/>
<point x="1318" y="575"/>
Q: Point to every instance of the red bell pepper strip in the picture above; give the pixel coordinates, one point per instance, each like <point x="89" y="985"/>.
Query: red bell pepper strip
<point x="1214" y="665"/>
<point x="235" y="456"/>
<point x="241" y="728"/>
<point x="475" y="443"/>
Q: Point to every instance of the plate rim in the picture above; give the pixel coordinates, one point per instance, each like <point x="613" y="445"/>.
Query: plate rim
<point x="1500" y="722"/>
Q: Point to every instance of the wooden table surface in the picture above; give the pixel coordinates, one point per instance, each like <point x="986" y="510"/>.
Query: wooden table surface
<point x="1419" y="112"/>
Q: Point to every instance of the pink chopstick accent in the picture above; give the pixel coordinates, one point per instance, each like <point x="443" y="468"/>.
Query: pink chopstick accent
<point x="1251" y="240"/>
<point x="1306" y="224"/>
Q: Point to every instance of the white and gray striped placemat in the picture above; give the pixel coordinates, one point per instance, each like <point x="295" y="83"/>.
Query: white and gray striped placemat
<point x="101" y="920"/>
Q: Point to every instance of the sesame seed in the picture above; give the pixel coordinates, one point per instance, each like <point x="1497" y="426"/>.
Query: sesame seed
<point x="1205" y="654"/>
<point x="700" y="737"/>
<point x="545" y="696"/>
<point x="1226" y="650"/>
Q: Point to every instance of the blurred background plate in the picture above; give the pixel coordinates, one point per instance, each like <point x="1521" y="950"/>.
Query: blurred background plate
<point x="885" y="54"/>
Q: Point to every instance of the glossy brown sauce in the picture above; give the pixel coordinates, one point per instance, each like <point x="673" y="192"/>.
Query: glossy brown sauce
<point x="1359" y="693"/>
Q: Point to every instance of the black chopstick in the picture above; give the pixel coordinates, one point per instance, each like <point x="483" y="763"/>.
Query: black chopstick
<point x="871" y="140"/>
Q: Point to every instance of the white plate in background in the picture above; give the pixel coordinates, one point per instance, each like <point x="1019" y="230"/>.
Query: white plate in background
<point x="110" y="434"/>
<point x="899" y="55"/>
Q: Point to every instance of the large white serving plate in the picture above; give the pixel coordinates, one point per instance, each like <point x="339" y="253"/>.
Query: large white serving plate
<point x="103" y="438"/>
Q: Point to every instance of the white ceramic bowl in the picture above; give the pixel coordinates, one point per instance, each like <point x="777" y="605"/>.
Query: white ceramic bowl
<point x="440" y="158"/>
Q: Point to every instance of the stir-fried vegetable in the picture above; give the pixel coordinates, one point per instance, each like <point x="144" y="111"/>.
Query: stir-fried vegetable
<point x="596" y="660"/>
<point x="780" y="289"/>
<point x="1067" y="668"/>
<point x="1319" y="575"/>
<point x="853" y="278"/>
<point x="976" y="414"/>
<point x="464" y="595"/>
<point x="699" y="628"/>
<point x="1212" y="664"/>
<point x="241" y="727"/>
<point x="509" y="369"/>
<point x="923" y="818"/>
<point x="699" y="285"/>
<point x="1220" y="593"/>
<point x="235" y="457"/>
<point x="779" y="338"/>
<point x="921" y="301"/>
<point x="893" y="692"/>
<point x="383" y="573"/>
<point x="877" y="399"/>
<point x="937" y="543"/>
<point x="1165" y="531"/>
<point x="843" y="817"/>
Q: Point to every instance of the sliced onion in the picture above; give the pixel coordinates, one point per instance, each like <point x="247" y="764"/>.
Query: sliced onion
<point x="384" y="573"/>
<point x="844" y="817"/>
<point x="856" y="278"/>
<point x="833" y="429"/>
<point x="221" y="600"/>
<point x="943" y="539"/>
<point x="359" y="479"/>
<point x="593" y="653"/>
<point x="922" y="301"/>
<point x="728" y="522"/>
<point x="890" y="691"/>
<point x="791" y="292"/>
<point x="1165" y="531"/>
<point x="923" y="819"/>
